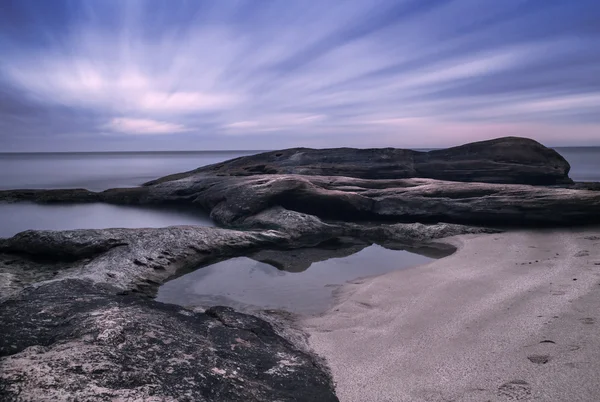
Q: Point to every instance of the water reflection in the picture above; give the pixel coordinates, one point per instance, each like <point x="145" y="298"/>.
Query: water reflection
<point x="300" y="280"/>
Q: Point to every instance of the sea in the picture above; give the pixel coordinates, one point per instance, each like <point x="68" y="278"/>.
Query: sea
<point x="96" y="171"/>
<point x="99" y="171"/>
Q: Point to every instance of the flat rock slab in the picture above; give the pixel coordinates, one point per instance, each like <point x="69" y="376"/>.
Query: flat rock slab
<point x="73" y="340"/>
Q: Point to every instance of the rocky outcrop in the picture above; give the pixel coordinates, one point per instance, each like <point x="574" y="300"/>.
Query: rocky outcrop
<point x="77" y="322"/>
<point x="137" y="261"/>
<point x="73" y="340"/>
<point x="132" y="260"/>
<point x="79" y="325"/>
<point x="240" y="201"/>
<point x="503" y="160"/>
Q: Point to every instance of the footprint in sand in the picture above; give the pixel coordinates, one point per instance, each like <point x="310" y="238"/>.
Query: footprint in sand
<point x="539" y="359"/>
<point x="515" y="390"/>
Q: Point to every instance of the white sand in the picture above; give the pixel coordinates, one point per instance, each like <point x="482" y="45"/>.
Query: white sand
<point x="464" y="328"/>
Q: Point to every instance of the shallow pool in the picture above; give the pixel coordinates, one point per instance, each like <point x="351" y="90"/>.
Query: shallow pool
<point x="300" y="281"/>
<point x="15" y="218"/>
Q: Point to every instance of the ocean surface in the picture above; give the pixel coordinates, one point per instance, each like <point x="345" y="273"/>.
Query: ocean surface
<point x="102" y="170"/>
<point x="15" y="218"/>
<point x="584" y="161"/>
<point x="98" y="171"/>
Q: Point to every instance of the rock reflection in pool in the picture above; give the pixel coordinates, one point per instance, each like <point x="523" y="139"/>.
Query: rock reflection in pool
<point x="297" y="286"/>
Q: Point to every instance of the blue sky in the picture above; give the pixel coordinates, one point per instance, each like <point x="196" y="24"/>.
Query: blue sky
<point x="259" y="74"/>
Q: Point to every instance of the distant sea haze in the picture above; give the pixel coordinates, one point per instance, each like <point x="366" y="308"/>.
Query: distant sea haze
<point x="99" y="171"/>
<point x="584" y="161"/>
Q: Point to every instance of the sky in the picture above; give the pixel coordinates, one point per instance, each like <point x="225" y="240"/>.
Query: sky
<point x="109" y="75"/>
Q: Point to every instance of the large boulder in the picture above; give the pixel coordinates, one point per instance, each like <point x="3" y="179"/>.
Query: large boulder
<point x="503" y="160"/>
<point x="78" y="341"/>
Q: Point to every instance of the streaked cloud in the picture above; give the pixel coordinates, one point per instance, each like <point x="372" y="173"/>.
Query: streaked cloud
<point x="143" y="126"/>
<point x="246" y="74"/>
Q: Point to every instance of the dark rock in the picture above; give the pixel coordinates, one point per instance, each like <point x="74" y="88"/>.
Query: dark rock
<point x="242" y="201"/>
<point x="503" y="160"/>
<point x="73" y="340"/>
<point x="74" y="245"/>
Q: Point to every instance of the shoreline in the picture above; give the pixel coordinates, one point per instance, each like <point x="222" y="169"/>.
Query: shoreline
<point x="509" y="316"/>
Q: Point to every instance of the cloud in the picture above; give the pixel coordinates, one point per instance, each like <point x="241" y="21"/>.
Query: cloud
<point x="76" y="83"/>
<point x="144" y="126"/>
<point x="281" y="122"/>
<point x="300" y="72"/>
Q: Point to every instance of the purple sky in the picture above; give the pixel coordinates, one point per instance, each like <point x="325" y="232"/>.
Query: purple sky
<point x="194" y="75"/>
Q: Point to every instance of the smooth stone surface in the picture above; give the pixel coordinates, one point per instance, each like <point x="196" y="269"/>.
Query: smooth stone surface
<point x="16" y="218"/>
<point x="502" y="160"/>
<point x="246" y="284"/>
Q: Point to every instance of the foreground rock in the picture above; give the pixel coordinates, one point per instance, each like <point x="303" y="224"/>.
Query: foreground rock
<point x="140" y="260"/>
<point x="72" y="340"/>
<point x="503" y="160"/>
<point x="77" y="323"/>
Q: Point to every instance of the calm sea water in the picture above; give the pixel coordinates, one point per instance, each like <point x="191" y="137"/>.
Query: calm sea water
<point x="96" y="171"/>
<point x="100" y="170"/>
<point x="584" y="161"/>
<point x="15" y="218"/>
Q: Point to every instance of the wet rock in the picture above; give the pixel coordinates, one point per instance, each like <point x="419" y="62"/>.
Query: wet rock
<point x="74" y="340"/>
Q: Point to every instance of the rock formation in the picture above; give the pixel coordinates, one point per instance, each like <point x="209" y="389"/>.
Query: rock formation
<point x="503" y="160"/>
<point x="77" y="319"/>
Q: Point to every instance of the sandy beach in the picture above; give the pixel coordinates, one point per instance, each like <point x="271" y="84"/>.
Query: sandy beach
<point x="510" y="316"/>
